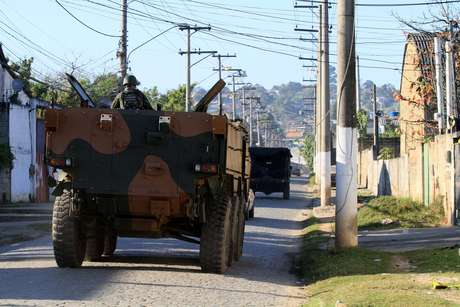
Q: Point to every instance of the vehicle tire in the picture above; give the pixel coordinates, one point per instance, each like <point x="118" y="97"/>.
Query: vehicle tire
<point x="287" y="192"/>
<point x="110" y="241"/>
<point x="251" y="213"/>
<point x="69" y="242"/>
<point x="95" y="237"/>
<point x="235" y="229"/>
<point x="216" y="234"/>
<point x="238" y="248"/>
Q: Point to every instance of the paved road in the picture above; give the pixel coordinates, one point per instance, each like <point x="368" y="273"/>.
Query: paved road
<point x="401" y="240"/>
<point x="166" y="272"/>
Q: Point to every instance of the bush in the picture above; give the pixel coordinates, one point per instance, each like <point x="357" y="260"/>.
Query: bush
<point x="6" y="156"/>
<point x="390" y="212"/>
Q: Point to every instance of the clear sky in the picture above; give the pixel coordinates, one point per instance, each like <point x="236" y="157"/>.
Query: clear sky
<point x="42" y="29"/>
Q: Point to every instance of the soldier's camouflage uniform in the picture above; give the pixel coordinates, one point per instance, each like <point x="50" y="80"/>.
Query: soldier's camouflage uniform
<point x="131" y="99"/>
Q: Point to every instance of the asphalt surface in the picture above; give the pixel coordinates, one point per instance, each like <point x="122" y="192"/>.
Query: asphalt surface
<point x="402" y="240"/>
<point x="166" y="272"/>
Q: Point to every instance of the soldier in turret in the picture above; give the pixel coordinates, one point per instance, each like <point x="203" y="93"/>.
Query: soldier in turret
<point x="131" y="98"/>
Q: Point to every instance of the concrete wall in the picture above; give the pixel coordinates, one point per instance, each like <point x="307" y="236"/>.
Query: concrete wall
<point x="405" y="176"/>
<point x="5" y="187"/>
<point x="19" y="123"/>
<point x="22" y="143"/>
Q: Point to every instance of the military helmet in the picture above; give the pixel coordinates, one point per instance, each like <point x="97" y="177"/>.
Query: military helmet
<point x="130" y="80"/>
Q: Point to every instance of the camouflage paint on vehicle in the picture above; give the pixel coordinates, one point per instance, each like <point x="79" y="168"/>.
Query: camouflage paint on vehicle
<point x="145" y="158"/>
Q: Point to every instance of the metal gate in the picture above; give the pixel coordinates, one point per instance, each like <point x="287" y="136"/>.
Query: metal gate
<point x="41" y="176"/>
<point x="457" y="183"/>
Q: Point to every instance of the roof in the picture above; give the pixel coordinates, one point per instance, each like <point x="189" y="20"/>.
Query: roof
<point x="294" y="134"/>
<point x="424" y="45"/>
<point x="4" y="63"/>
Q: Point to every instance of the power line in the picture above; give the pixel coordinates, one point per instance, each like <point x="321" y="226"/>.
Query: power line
<point x="390" y="4"/>
<point x="84" y="24"/>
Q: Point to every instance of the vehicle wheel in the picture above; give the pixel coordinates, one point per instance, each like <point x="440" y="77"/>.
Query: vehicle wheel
<point x="235" y="229"/>
<point x="110" y="241"/>
<point x="69" y="242"/>
<point x="287" y="192"/>
<point x="238" y="248"/>
<point x="94" y="240"/>
<point x="251" y="213"/>
<point x="216" y="235"/>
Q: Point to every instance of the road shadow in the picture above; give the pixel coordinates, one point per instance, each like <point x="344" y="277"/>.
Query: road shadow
<point x="269" y="222"/>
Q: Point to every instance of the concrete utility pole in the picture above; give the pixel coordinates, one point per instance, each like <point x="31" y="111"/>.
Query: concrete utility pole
<point x="318" y="104"/>
<point x="439" y="83"/>
<point x="266" y="134"/>
<point x="123" y="44"/>
<point x="258" y="127"/>
<point x="358" y="86"/>
<point x="325" y="123"/>
<point x="219" y="58"/>
<point x="450" y="81"/>
<point x="241" y="73"/>
<point x="346" y="207"/>
<point x="376" y="147"/>
<point x="250" y="123"/>
<point x="188" y="28"/>
<point x="251" y="99"/>
<point x="233" y="98"/>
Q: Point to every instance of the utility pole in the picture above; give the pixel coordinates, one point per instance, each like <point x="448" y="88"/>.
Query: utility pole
<point x="266" y="134"/>
<point x="376" y="147"/>
<point x="219" y="58"/>
<point x="450" y="81"/>
<point x="439" y="83"/>
<point x="243" y="105"/>
<point x="123" y="44"/>
<point x="346" y="207"/>
<point x="251" y="99"/>
<point x="258" y="128"/>
<point x="188" y="28"/>
<point x="325" y="123"/>
<point x="233" y="98"/>
<point x="358" y="86"/>
<point x="318" y="104"/>
<point x="250" y="122"/>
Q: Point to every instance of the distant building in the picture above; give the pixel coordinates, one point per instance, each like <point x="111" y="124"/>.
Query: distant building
<point x="294" y="134"/>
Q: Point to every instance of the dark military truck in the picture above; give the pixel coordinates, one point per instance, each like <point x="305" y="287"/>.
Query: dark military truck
<point x="151" y="174"/>
<point x="271" y="170"/>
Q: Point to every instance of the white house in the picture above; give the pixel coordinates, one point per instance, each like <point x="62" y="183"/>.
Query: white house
<point x="18" y="129"/>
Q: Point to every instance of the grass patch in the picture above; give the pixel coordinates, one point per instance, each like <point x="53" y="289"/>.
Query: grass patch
<point x="359" y="277"/>
<point x="311" y="181"/>
<point x="391" y="212"/>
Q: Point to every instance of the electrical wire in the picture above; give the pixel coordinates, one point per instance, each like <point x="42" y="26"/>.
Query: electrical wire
<point x="407" y="4"/>
<point x="151" y="39"/>
<point x="84" y="24"/>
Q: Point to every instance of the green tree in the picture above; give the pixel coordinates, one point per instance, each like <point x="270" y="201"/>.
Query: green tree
<point x="363" y="121"/>
<point x="175" y="99"/>
<point x="23" y="68"/>
<point x="104" y="85"/>
<point x="308" y="151"/>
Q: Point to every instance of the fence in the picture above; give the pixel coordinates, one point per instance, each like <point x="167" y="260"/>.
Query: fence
<point x="425" y="174"/>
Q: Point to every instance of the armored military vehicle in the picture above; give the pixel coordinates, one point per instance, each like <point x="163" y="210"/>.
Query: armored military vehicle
<point x="271" y="170"/>
<point x="152" y="174"/>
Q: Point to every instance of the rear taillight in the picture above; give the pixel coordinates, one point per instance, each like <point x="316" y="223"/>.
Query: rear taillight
<point x="60" y="162"/>
<point x="207" y="168"/>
